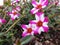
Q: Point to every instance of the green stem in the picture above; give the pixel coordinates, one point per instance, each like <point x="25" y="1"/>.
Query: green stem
<point x="6" y="25"/>
<point x="14" y="24"/>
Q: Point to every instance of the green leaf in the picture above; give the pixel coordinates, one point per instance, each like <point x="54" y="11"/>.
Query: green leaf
<point x="26" y="39"/>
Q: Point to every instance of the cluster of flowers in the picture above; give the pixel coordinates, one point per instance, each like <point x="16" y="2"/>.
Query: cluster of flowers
<point x="41" y="23"/>
<point x="14" y="13"/>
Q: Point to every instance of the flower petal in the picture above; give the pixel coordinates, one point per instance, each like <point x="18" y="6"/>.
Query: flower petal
<point x="24" y="33"/>
<point x="34" y="3"/>
<point x="34" y="10"/>
<point x="40" y="30"/>
<point x="45" y="29"/>
<point x="43" y="6"/>
<point x="40" y="1"/>
<point x="46" y="19"/>
<point x="24" y="27"/>
<point x="45" y="2"/>
<point x="45" y="24"/>
<point x="32" y="21"/>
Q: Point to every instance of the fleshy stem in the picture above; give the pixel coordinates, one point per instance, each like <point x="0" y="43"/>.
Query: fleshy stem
<point x="14" y="24"/>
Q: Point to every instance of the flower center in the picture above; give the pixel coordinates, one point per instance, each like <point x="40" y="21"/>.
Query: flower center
<point x="29" y="30"/>
<point x="39" y="23"/>
<point x="39" y="6"/>
<point x="14" y="13"/>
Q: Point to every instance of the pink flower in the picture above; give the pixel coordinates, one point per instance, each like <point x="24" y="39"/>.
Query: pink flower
<point x="14" y="1"/>
<point x="28" y="30"/>
<point x="54" y="2"/>
<point x="38" y="6"/>
<point x="14" y="14"/>
<point x="2" y="21"/>
<point x="40" y="24"/>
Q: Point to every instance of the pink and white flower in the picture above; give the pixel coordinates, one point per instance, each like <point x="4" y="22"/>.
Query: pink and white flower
<point x="40" y="24"/>
<point x="2" y="21"/>
<point x="38" y="6"/>
<point x="28" y="30"/>
<point x="14" y="1"/>
<point x="14" y="14"/>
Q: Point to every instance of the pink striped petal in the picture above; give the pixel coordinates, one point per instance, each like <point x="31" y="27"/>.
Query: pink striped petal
<point x="24" y="34"/>
<point x="34" y="10"/>
<point x="18" y="8"/>
<point x="32" y="22"/>
<point x="36" y="30"/>
<point x="45" y="29"/>
<point x="40" y="1"/>
<point x="24" y="27"/>
<point x="34" y="3"/>
<point x="46" y="19"/>
<point x="45" y="2"/>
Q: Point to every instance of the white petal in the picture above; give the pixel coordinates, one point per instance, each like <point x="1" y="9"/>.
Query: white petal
<point x="45" y="24"/>
<point x="32" y="33"/>
<point x="0" y="21"/>
<point x="37" y="17"/>
<point x="29" y="25"/>
<point x="34" y="27"/>
<point x="40" y="30"/>
<point x="43" y="6"/>
<point x="24" y="31"/>
<point x="42" y="17"/>
<point x="16" y="16"/>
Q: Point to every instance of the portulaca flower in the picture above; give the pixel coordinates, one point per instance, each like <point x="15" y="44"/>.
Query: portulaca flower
<point x="40" y="24"/>
<point x="2" y="21"/>
<point x="14" y="14"/>
<point x="28" y="30"/>
<point x="38" y="5"/>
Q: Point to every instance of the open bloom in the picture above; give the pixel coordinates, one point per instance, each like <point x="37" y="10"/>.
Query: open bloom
<point x="28" y="30"/>
<point x="40" y="24"/>
<point x="38" y="6"/>
<point x="14" y="1"/>
<point x="2" y="21"/>
<point x="14" y="14"/>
